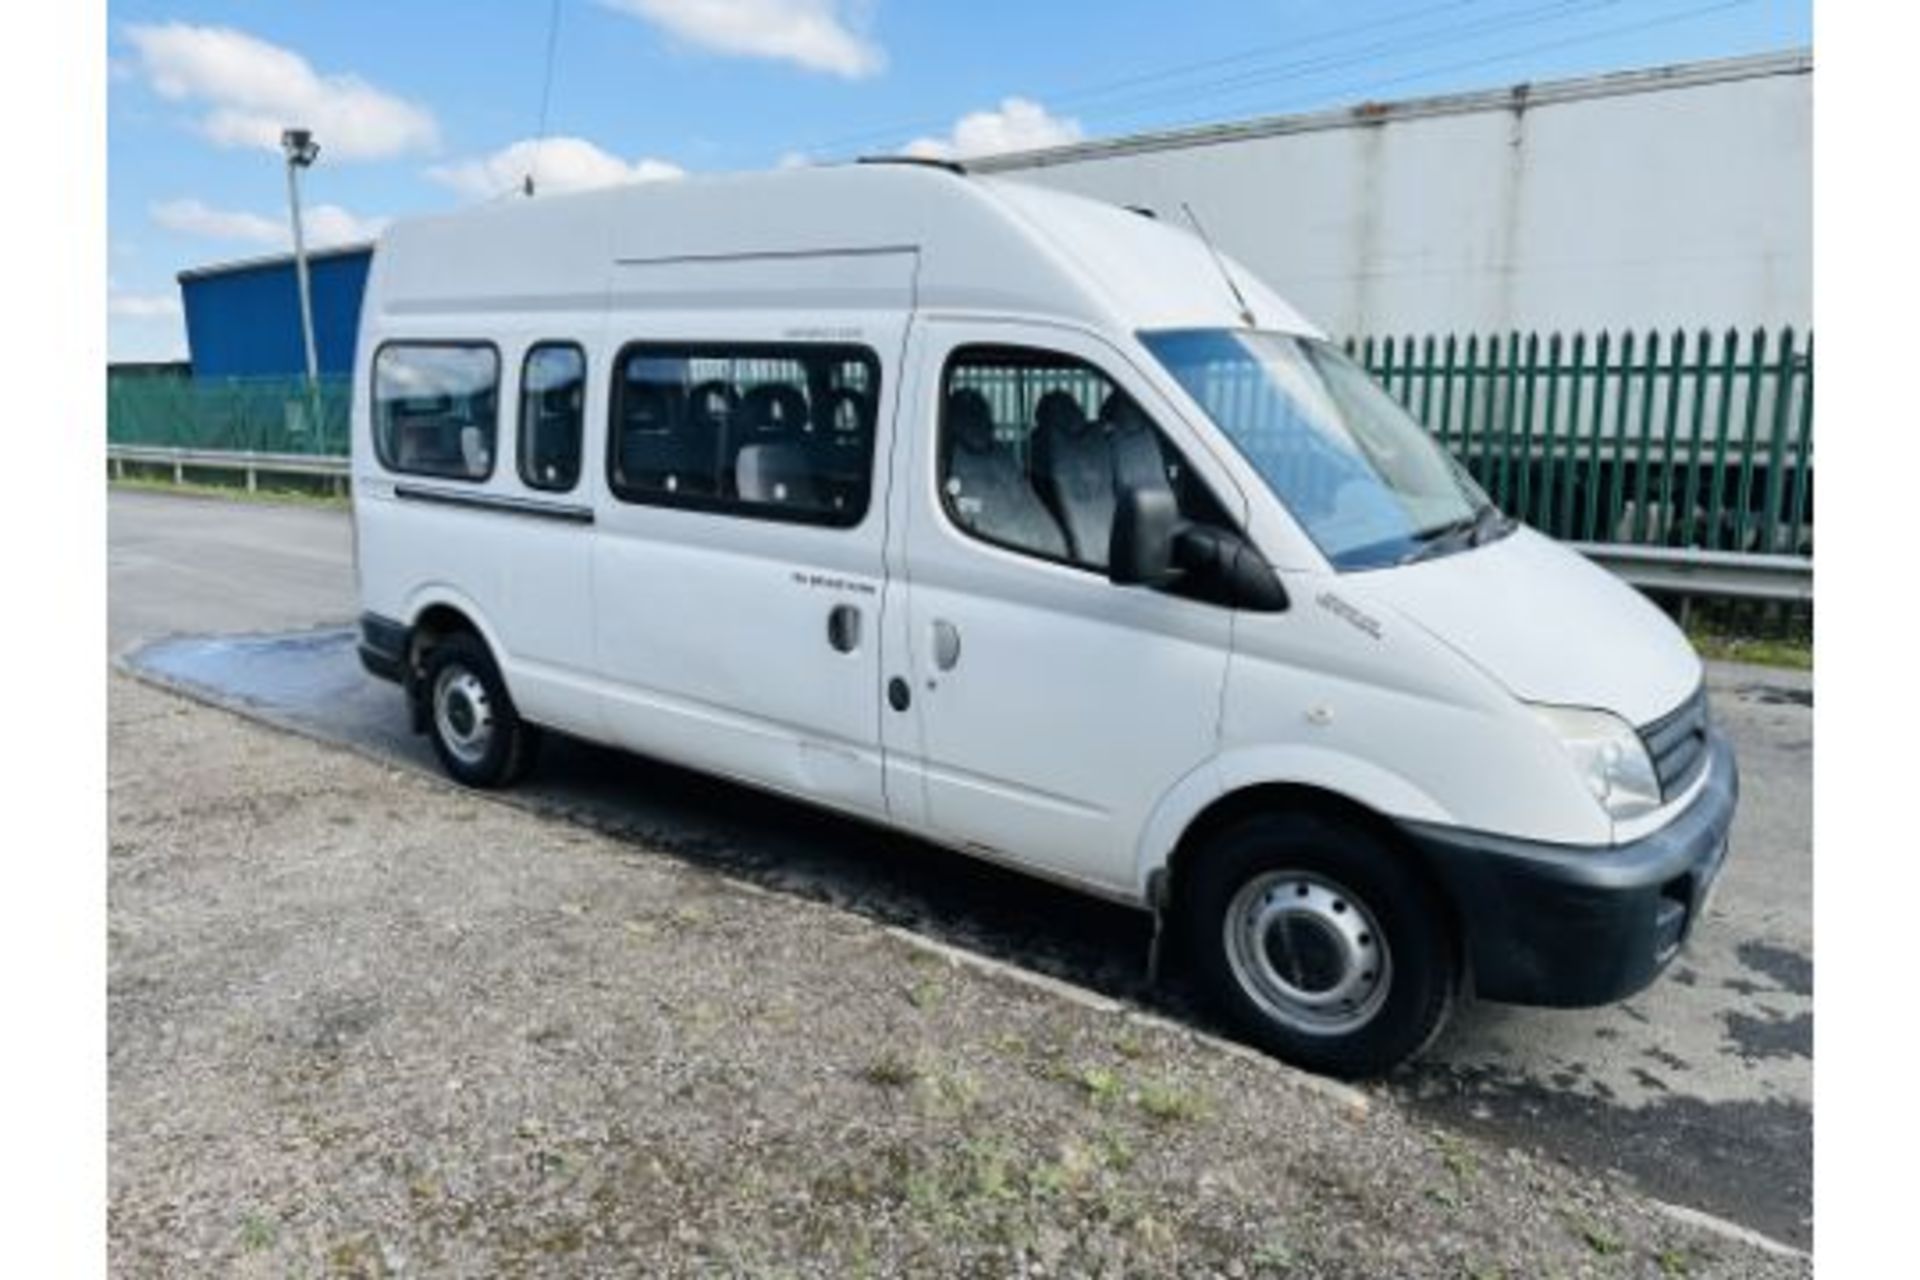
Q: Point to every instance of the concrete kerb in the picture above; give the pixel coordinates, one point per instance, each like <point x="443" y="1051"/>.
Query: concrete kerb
<point x="1353" y="1101"/>
<point x="1729" y="1230"/>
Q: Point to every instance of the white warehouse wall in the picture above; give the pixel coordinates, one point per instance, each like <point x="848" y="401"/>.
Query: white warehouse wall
<point x="1675" y="197"/>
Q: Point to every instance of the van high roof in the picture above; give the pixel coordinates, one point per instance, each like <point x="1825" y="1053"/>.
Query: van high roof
<point x="965" y="244"/>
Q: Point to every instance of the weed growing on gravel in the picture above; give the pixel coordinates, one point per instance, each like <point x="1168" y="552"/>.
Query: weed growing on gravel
<point x="1101" y="1085"/>
<point x="258" y="1232"/>
<point x="1456" y="1156"/>
<point x="1171" y="1103"/>
<point x="951" y="1093"/>
<point x="890" y="1071"/>
<point x="925" y="994"/>
<point x="1600" y="1240"/>
<point x="1675" y="1262"/>
<point x="1274" y="1254"/>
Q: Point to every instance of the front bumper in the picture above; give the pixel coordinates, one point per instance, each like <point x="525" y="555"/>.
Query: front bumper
<point x="1571" y="926"/>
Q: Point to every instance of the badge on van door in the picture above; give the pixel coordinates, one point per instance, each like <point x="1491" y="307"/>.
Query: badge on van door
<point x="1340" y="609"/>
<point x="833" y="582"/>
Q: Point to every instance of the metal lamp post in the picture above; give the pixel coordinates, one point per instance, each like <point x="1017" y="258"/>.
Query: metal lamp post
<point x="302" y="151"/>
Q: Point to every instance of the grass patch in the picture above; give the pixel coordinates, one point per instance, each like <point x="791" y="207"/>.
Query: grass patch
<point x="274" y="492"/>
<point x="1793" y="653"/>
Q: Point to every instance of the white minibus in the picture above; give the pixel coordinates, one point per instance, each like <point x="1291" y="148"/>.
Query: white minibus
<point x="1036" y="528"/>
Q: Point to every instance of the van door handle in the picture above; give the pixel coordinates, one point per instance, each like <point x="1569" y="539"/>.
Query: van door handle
<point x="843" y="628"/>
<point x="946" y="644"/>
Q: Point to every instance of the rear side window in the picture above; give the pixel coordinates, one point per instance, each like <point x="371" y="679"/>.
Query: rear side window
<point x="1035" y="446"/>
<point x="774" y="432"/>
<point x="553" y="391"/>
<point x="436" y="408"/>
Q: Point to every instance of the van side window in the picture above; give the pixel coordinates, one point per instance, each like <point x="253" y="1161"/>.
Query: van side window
<point x="776" y="432"/>
<point x="1034" y="445"/>
<point x="553" y="391"/>
<point x="436" y="408"/>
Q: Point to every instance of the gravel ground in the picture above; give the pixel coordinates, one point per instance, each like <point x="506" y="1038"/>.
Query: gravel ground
<point x="362" y="1023"/>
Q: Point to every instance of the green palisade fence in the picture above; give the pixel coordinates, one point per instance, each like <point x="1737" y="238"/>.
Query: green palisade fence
<point x="265" y="415"/>
<point x="1687" y="440"/>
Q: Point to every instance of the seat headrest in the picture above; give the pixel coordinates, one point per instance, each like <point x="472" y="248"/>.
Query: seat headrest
<point x="971" y="419"/>
<point x="712" y="404"/>
<point x="774" y="408"/>
<point x="846" y="412"/>
<point x="1119" y="413"/>
<point x="1059" y="411"/>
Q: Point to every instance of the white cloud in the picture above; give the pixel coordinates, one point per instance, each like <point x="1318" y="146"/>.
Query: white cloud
<point x="557" y="165"/>
<point x="820" y="35"/>
<point x="143" y="306"/>
<point x="193" y="218"/>
<point x="252" y="90"/>
<point x="1020" y="124"/>
<point x="329" y="224"/>
<point x="325" y="224"/>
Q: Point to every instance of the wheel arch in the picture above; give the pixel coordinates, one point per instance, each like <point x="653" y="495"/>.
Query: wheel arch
<point x="1167" y="880"/>
<point x="439" y="611"/>
<point x="432" y="614"/>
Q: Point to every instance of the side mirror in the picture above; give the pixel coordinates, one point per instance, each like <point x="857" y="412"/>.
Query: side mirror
<point x="1222" y="567"/>
<point x="1140" y="548"/>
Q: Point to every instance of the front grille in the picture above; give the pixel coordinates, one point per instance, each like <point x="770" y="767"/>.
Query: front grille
<point x="1677" y="742"/>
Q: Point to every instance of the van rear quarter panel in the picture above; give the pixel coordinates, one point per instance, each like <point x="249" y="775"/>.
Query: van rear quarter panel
<point x="524" y="582"/>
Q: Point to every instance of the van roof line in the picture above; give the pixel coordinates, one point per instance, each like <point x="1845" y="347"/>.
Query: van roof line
<point x="925" y="162"/>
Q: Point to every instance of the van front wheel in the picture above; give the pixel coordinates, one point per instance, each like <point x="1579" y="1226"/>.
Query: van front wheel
<point x="1319" y="943"/>
<point x="479" y="737"/>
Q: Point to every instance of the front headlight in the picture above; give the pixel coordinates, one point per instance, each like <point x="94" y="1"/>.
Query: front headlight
<point x="1609" y="756"/>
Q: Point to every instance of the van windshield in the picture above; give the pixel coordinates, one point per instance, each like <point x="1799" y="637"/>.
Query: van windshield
<point x="1365" y="480"/>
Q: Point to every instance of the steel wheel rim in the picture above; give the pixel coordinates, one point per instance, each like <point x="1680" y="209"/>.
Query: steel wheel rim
<point x="1308" y="951"/>
<point x="463" y="714"/>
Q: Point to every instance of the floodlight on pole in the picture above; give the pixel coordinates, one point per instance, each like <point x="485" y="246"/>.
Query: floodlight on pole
<point x="302" y="151"/>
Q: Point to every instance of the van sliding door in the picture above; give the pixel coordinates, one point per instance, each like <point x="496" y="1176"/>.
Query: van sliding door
<point x="740" y="564"/>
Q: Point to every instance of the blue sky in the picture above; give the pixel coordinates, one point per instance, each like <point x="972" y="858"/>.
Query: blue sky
<point x="419" y="105"/>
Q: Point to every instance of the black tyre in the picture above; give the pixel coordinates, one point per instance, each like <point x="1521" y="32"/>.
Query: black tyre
<point x="1317" y="940"/>
<point x="479" y="737"/>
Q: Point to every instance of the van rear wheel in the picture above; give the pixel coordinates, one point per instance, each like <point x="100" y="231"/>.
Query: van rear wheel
<point x="479" y="737"/>
<point x="1319" y="943"/>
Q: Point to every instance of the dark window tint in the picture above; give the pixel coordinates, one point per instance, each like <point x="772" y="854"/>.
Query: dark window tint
<point x="1034" y="446"/>
<point x="781" y="432"/>
<point x="553" y="390"/>
<point x="436" y="408"/>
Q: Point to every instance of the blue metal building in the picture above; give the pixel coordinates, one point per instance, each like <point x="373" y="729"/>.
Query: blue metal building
<point x="243" y="318"/>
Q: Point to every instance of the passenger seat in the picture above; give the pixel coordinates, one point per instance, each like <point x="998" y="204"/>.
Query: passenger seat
<point x="987" y="489"/>
<point x="1073" y="469"/>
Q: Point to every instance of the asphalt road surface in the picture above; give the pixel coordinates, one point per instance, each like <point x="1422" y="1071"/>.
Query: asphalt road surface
<point x="1700" y="1089"/>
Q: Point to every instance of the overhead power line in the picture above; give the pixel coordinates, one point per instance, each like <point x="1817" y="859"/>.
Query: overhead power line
<point x="1426" y="73"/>
<point x="1075" y="96"/>
<point x="1291" y="66"/>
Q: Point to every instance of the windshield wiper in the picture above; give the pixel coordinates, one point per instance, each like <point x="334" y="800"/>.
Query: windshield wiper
<point x="1489" y="524"/>
<point x="1468" y="531"/>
